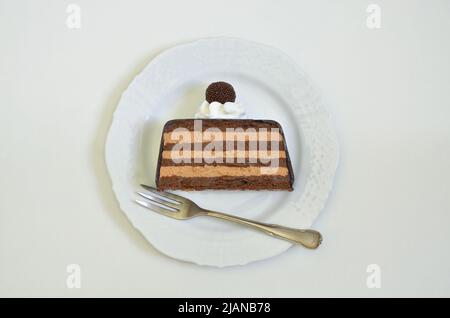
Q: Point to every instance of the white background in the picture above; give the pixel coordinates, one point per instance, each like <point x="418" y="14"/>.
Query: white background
<point x="389" y="92"/>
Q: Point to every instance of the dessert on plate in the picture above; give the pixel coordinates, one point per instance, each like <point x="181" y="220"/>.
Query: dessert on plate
<point x="218" y="149"/>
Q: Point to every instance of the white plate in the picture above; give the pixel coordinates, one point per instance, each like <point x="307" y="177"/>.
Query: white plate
<point x="270" y="86"/>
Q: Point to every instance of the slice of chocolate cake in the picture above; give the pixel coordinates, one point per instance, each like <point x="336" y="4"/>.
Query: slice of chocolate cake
<point x="228" y="154"/>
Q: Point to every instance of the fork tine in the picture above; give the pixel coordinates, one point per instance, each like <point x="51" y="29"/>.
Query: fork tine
<point x="155" y="208"/>
<point x="164" y="195"/>
<point x="164" y="203"/>
<point x="160" y="196"/>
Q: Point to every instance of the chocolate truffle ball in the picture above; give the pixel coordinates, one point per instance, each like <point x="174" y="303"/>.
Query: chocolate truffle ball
<point x="221" y="92"/>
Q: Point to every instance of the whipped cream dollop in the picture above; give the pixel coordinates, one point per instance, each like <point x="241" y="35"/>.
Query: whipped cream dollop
<point x="229" y="110"/>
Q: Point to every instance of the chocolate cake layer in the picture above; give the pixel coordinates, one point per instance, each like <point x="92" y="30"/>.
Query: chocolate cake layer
<point x="236" y="145"/>
<point x="227" y="183"/>
<point x="248" y="162"/>
<point x="221" y="123"/>
<point x="233" y="154"/>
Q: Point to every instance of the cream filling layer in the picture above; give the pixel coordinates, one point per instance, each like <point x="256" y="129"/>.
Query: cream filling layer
<point x="190" y="136"/>
<point x="220" y="171"/>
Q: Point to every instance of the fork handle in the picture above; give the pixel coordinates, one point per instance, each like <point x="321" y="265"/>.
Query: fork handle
<point x="308" y="238"/>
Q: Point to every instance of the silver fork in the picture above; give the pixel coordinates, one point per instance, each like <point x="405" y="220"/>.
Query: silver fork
<point x="180" y="208"/>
